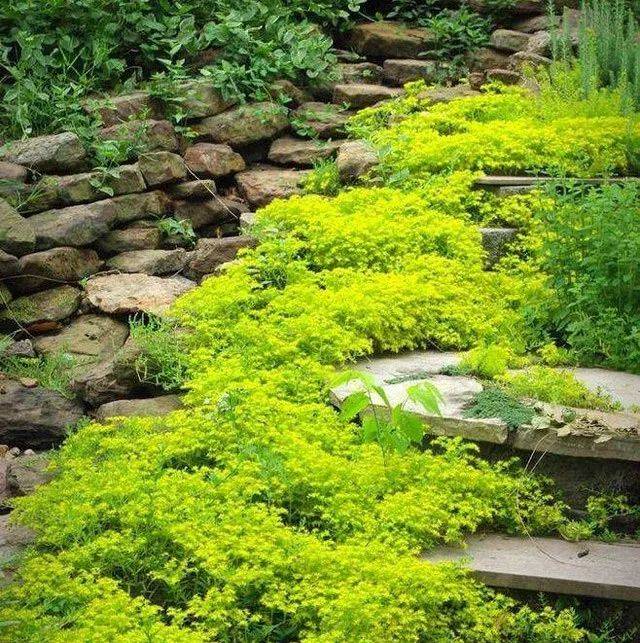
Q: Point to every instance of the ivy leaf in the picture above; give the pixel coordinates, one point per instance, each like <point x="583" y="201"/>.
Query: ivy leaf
<point x="354" y="404"/>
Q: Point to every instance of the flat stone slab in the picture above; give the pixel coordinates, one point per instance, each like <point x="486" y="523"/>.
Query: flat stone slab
<point x="589" y="568"/>
<point x="622" y="387"/>
<point x="512" y="181"/>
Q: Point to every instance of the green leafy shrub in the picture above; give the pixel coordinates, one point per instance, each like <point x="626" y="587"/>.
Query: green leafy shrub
<point x="591" y="256"/>
<point x="556" y="387"/>
<point x="323" y="179"/>
<point x="52" y="371"/>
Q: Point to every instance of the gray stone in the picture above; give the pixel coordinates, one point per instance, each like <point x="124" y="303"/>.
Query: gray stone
<point x="132" y="238"/>
<point x="355" y="159"/>
<point x="384" y="39"/>
<point x="26" y="472"/>
<point x="487" y="58"/>
<point x="399" y="72"/>
<point x="285" y="91"/>
<point x="505" y="76"/>
<point x="53" y="191"/>
<point x="199" y="99"/>
<point x="320" y="119"/>
<point x="126" y="294"/>
<point x="133" y="207"/>
<point x="244" y="125"/>
<point x="51" y="267"/>
<point x="21" y="348"/>
<point x="147" y="135"/>
<point x="161" y="167"/>
<point x="210" y="159"/>
<point x="210" y="254"/>
<point x="17" y="236"/>
<point x="9" y="264"/>
<point x="539" y="44"/>
<point x="150" y="262"/>
<point x="111" y="379"/>
<point x="13" y="172"/>
<point x="194" y="190"/>
<point x="52" y="305"/>
<point x="153" y="406"/>
<point x="88" y="339"/>
<point x="361" y="96"/>
<point x="261" y="186"/>
<point x="115" y="110"/>
<point x="353" y="73"/>
<point x="50" y="154"/>
<point x="622" y="387"/>
<point x="296" y="151"/>
<point x="495" y="242"/>
<point x="510" y="40"/>
<point x="211" y="212"/>
<point x="35" y="418"/>
<point x="587" y="568"/>
<point x="522" y="59"/>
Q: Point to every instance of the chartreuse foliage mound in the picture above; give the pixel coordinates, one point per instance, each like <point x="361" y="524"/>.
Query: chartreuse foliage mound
<point x="258" y="514"/>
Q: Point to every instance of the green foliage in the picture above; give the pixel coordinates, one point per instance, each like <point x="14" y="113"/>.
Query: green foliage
<point x="162" y="360"/>
<point x="488" y="361"/>
<point x="608" y="48"/>
<point x="592" y="259"/>
<point x="180" y="230"/>
<point x="52" y="371"/>
<point x="556" y="387"/>
<point x="324" y="179"/>
<point x="493" y="402"/>
<point x="55" y="54"/>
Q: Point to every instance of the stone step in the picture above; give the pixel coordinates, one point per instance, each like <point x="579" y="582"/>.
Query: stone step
<point x="589" y="568"/>
<point x="519" y="184"/>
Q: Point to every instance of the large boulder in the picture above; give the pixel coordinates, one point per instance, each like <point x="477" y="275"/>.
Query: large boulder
<point x="126" y="294"/>
<point x="150" y="262"/>
<point x="88" y="339"/>
<point x="384" y="39"/>
<point x="149" y="407"/>
<point x="211" y="159"/>
<point x="161" y="167"/>
<point x="17" y="236"/>
<point x="35" y="418"/>
<point x="320" y="120"/>
<point x="146" y="135"/>
<point x="210" y="254"/>
<point x="361" y="96"/>
<point x="40" y="312"/>
<point x="401" y="71"/>
<point x="260" y="186"/>
<point x="244" y="125"/>
<point x="51" y="154"/>
<point x="295" y="151"/>
<point x="355" y="159"/>
<point x="51" y="267"/>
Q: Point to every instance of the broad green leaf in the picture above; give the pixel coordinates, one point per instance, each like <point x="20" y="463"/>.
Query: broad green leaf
<point x="354" y="404"/>
<point x="427" y="395"/>
<point x="409" y="425"/>
<point x="370" y="429"/>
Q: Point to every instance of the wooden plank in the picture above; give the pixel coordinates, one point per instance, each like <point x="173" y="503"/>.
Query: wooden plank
<point x="589" y="568"/>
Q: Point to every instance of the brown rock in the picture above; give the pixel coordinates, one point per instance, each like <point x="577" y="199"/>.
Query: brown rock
<point x="296" y="151"/>
<point x="384" y="39"/>
<point x="88" y="339"/>
<point x="47" y="306"/>
<point x="209" y="159"/>
<point x="199" y="99"/>
<point x="523" y="59"/>
<point x="487" y="58"/>
<point x="285" y="91"/>
<point x="355" y="159"/>
<point x="125" y="294"/>
<point x="35" y="417"/>
<point x="209" y="254"/>
<point x="161" y="167"/>
<point x="133" y="207"/>
<point x="505" y="76"/>
<point x="509" y="40"/>
<point x="211" y="212"/>
<point x="13" y="172"/>
<point x="51" y="154"/>
<point x="447" y="94"/>
<point x="148" y="135"/>
<point x="16" y="233"/>
<point x="354" y="73"/>
<point x="51" y="267"/>
<point x="119" y="109"/>
<point x="153" y="406"/>
<point x="319" y="119"/>
<point x="244" y="125"/>
<point x="26" y="472"/>
<point x="150" y="262"/>
<point x="539" y="44"/>
<point x="399" y="72"/>
<point x="132" y="238"/>
<point x="194" y="190"/>
<point x="361" y="96"/>
<point x="262" y="185"/>
<point x="21" y="348"/>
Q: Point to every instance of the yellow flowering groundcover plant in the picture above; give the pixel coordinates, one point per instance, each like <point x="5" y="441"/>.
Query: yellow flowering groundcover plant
<point x="257" y="513"/>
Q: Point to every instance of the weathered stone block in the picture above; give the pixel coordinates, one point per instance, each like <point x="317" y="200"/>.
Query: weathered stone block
<point x="146" y="135"/>
<point x="17" y="236"/>
<point x="210" y="254"/>
<point x="210" y="159"/>
<point x="320" y="119"/>
<point x="194" y="190"/>
<point x="361" y="96"/>
<point x="509" y="40"/>
<point x="51" y="154"/>
<point x="296" y="151"/>
<point x="47" y="306"/>
<point x="150" y="262"/>
<point x="152" y="406"/>
<point x="262" y="185"/>
<point x="161" y="167"/>
<point x="355" y="159"/>
<point x="384" y="39"/>
<point x="135" y="237"/>
<point x="120" y="109"/>
<point x="399" y="72"/>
